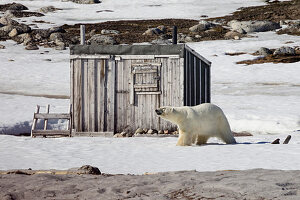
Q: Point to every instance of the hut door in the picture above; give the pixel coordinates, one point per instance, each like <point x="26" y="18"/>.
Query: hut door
<point x="146" y="79"/>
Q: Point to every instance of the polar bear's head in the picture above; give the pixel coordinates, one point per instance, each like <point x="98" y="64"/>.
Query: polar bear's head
<point x="168" y="113"/>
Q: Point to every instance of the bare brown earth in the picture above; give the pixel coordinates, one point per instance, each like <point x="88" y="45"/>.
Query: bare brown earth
<point x="276" y="11"/>
<point x="258" y="184"/>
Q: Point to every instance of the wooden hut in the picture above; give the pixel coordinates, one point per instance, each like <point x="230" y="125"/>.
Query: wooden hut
<point x="118" y="87"/>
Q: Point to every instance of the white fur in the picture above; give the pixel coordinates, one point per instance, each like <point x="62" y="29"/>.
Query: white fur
<point x="198" y="123"/>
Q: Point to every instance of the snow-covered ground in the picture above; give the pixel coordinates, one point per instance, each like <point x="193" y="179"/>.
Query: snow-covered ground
<point x="262" y="99"/>
<point x="139" y="155"/>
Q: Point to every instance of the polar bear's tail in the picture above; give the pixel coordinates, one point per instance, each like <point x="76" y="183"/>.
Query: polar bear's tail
<point x="226" y="134"/>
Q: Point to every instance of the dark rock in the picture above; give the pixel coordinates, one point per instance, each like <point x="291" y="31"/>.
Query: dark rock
<point x="264" y="51"/>
<point x="31" y="47"/>
<point x="88" y="169"/>
<point x="276" y="141"/>
<point x="2" y="46"/>
<point x="56" y="30"/>
<point x="12" y="6"/>
<point x="287" y="140"/>
<point x="152" y="131"/>
<point x="8" y="21"/>
<point x="56" y="37"/>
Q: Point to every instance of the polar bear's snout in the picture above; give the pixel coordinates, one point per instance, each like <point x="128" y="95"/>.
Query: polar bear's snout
<point x="159" y="111"/>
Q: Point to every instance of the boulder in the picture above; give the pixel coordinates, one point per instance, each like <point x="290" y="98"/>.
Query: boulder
<point x="8" y="21"/>
<point x="2" y="46"/>
<point x="56" y="37"/>
<point x="105" y="31"/>
<point x="102" y="40"/>
<point x="253" y="26"/>
<point x="232" y="35"/>
<point x="13" y="33"/>
<point x="88" y="169"/>
<point x="264" y="51"/>
<point x="202" y="26"/>
<point x="31" y="47"/>
<point x="284" y="51"/>
<point x="160" y="132"/>
<point x="155" y="31"/>
<point x="16" y="6"/>
<point x="139" y="131"/>
<point x="47" y="9"/>
<point x="152" y="131"/>
<point x="60" y="45"/>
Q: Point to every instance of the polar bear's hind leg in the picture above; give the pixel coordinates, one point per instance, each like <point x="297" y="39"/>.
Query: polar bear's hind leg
<point x="201" y="140"/>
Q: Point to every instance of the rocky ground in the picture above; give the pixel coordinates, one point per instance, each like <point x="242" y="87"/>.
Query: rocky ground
<point x="87" y="183"/>
<point x="282" y="17"/>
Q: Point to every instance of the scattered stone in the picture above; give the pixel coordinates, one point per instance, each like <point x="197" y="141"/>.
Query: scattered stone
<point x="2" y="46"/>
<point x="241" y="134"/>
<point x="88" y="169"/>
<point x="13" y="33"/>
<point x="139" y="131"/>
<point x="182" y="38"/>
<point x="202" y="26"/>
<point x="56" y="37"/>
<point x="145" y="130"/>
<point x="264" y="51"/>
<point x="160" y="132"/>
<point x="253" y="26"/>
<point x="20" y="14"/>
<point x="123" y="134"/>
<point x="47" y="9"/>
<point x="152" y="131"/>
<point x="166" y="132"/>
<point x="102" y="40"/>
<point x="104" y="32"/>
<point x="56" y="30"/>
<point x="117" y="135"/>
<point x="83" y="1"/>
<point x="60" y="45"/>
<point x="8" y="21"/>
<point x="155" y="31"/>
<point x="91" y="33"/>
<point x="232" y="35"/>
<point x="130" y="134"/>
<point x="175" y="133"/>
<point x="284" y="51"/>
<point x="31" y="47"/>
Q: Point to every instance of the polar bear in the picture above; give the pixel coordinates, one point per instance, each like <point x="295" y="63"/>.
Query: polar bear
<point x="198" y="123"/>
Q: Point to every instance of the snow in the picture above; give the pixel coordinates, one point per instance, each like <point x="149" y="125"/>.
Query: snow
<point x="262" y="99"/>
<point x="139" y="155"/>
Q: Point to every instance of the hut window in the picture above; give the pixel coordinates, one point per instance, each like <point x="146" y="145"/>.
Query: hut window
<point x="146" y="77"/>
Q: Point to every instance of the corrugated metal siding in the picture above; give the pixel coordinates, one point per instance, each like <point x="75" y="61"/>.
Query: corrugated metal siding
<point x="196" y="80"/>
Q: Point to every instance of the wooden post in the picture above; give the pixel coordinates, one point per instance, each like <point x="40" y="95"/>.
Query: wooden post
<point x="82" y="34"/>
<point x="46" y="120"/>
<point x="35" y="120"/>
<point x="174" y="35"/>
<point x="69" y="125"/>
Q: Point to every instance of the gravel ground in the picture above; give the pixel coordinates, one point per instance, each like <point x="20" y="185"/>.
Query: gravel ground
<point x="249" y="184"/>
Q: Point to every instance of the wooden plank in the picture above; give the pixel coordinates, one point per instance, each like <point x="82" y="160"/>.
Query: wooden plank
<point x="135" y="57"/>
<point x="72" y="86"/>
<point x="93" y="134"/>
<point x="70" y="121"/>
<point x="50" y="132"/>
<point x="79" y="95"/>
<point x="91" y="95"/>
<point x="111" y="81"/>
<point x="181" y="82"/>
<point x="35" y="119"/>
<point x="145" y="85"/>
<point x="46" y="120"/>
<point x="52" y="115"/>
<point x="101" y="95"/>
<point x="85" y="97"/>
<point x="86" y="56"/>
<point x="167" y="56"/>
